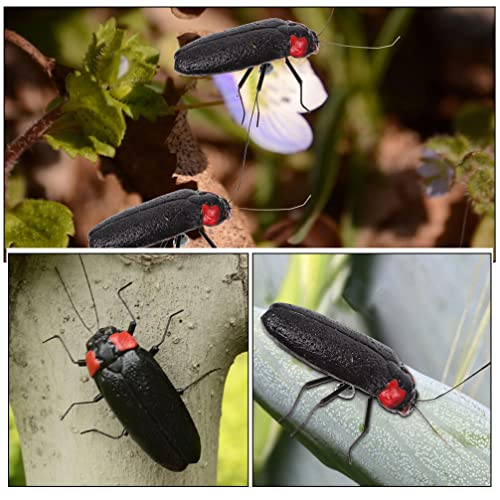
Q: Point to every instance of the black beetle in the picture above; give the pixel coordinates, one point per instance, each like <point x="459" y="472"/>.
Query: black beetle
<point x="245" y="47"/>
<point x="356" y="361"/>
<point x="163" y="218"/>
<point x="251" y="45"/>
<point x="167" y="217"/>
<point x="138" y="391"/>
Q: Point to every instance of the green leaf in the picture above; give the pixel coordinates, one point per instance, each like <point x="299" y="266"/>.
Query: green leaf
<point x="309" y="276"/>
<point x="478" y="171"/>
<point x="95" y="110"/>
<point x="93" y="123"/>
<point x="68" y="135"/>
<point x="39" y="224"/>
<point x="120" y="64"/>
<point x="451" y="148"/>
<point x="146" y="102"/>
<point x="111" y="83"/>
<point x="103" y="59"/>
<point x="138" y="65"/>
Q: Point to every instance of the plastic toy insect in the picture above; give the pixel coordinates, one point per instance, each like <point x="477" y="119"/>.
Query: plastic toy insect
<point x="165" y="218"/>
<point x="137" y="389"/>
<point x="246" y="47"/>
<point x="356" y="361"/>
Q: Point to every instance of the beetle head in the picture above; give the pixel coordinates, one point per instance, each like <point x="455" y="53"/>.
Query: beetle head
<point x="214" y="209"/>
<point x="105" y="347"/>
<point x="399" y="395"/>
<point x="100" y="337"/>
<point x="303" y="41"/>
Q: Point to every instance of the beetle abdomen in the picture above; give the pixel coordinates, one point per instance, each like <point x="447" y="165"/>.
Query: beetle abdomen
<point x="234" y="49"/>
<point x="151" y="410"/>
<point x="331" y="347"/>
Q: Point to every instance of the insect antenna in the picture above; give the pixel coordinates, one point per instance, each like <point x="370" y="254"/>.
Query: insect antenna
<point x="245" y="150"/>
<point x="330" y="17"/>
<point x="456" y="386"/>
<point x="303" y="204"/>
<point x="71" y="301"/>
<point x="433" y="428"/>
<point x="90" y="290"/>
<point x="365" y="47"/>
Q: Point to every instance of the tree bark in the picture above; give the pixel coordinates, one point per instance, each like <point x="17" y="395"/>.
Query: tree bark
<point x="212" y="290"/>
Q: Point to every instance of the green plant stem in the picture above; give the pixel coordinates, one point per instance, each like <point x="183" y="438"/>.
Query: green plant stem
<point x="198" y="105"/>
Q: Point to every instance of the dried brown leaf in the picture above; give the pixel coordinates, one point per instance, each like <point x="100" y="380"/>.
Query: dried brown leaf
<point x="187" y="12"/>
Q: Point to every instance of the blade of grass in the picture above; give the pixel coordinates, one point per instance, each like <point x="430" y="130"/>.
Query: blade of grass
<point x="396" y="24"/>
<point x="329" y="132"/>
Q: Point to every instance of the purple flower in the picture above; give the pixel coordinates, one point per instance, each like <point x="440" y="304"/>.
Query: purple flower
<point x="437" y="173"/>
<point x="281" y="128"/>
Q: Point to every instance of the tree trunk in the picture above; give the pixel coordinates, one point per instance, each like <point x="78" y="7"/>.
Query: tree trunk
<point x="212" y="290"/>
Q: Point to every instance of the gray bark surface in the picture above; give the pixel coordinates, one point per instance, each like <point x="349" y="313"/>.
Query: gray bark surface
<point x="212" y="290"/>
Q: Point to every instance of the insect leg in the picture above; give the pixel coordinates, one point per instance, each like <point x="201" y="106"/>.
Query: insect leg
<point x="366" y="427"/>
<point x="240" y="84"/>
<point x="79" y="362"/>
<point x="264" y="68"/>
<point x="183" y="389"/>
<point x="299" y="81"/>
<point x="133" y="323"/>
<point x="124" y="432"/>
<point x="328" y="399"/>
<point x="205" y="235"/>
<point x="309" y="385"/>
<point x="181" y="240"/>
<point x="184" y="239"/>
<point x="95" y="400"/>
<point x="153" y="351"/>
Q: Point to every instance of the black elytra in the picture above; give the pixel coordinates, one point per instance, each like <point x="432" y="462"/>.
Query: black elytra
<point x="164" y="218"/>
<point x="245" y="46"/>
<point x="138" y="391"/>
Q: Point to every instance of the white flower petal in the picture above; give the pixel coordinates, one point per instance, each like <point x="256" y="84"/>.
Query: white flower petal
<point x="281" y="129"/>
